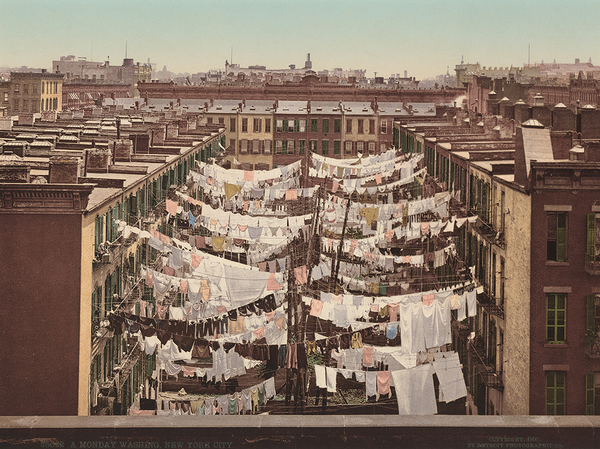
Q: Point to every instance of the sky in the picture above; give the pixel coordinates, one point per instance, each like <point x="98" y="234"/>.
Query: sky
<point x="423" y="37"/>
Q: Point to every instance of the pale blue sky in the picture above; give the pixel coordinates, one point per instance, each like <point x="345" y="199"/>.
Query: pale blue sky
<point x="387" y="36"/>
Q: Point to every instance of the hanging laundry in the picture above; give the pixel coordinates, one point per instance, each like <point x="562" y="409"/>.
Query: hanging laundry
<point x="231" y="190"/>
<point x="218" y="243"/>
<point x="300" y="275"/>
<point x="383" y="383"/>
<point x="369" y="214"/>
<point x="171" y="207"/>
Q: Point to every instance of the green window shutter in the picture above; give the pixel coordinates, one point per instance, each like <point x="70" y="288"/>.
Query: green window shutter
<point x="101" y="229"/>
<point x="336" y="147"/>
<point x="325" y="146"/>
<point x="113" y="218"/>
<point x="590" y="393"/>
<point x="590" y="319"/>
<point x="96" y="235"/>
<point x="325" y="125"/>
<point x="561" y="237"/>
<point x="591" y="237"/>
<point x="143" y="201"/>
<point x="337" y="125"/>
<point x="301" y="150"/>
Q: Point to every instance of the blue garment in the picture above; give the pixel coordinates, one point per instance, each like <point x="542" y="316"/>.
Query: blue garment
<point x="192" y="219"/>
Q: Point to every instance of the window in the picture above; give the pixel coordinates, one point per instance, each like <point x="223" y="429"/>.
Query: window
<point x="291" y="126"/>
<point x="267" y="125"/>
<point x="42" y="87"/>
<point x="592" y="321"/>
<point x="279" y="126"/>
<point x="278" y="146"/>
<point x="256" y="146"/>
<point x="290" y="146"/>
<point x="337" y="125"/>
<point x="592" y="406"/>
<point x="360" y="126"/>
<point x="244" y="146"/>
<point x="382" y="147"/>
<point x="555" y="392"/>
<point x="267" y="146"/>
<point x="556" y="320"/>
<point x="302" y="127"/>
<point x="313" y="125"/>
<point x="336" y="147"/>
<point x="5" y="97"/>
<point x="244" y="125"/>
<point x="383" y="126"/>
<point x="25" y="88"/>
<point x="359" y="147"/>
<point x="557" y="237"/>
<point x="325" y="146"/>
<point x="209" y="120"/>
<point x="325" y="125"/>
<point x="349" y="125"/>
<point x="26" y="105"/>
<point x="593" y="239"/>
<point x="16" y="105"/>
<point x="348" y="147"/>
<point x="301" y="146"/>
<point x="371" y="147"/>
<point x="221" y="120"/>
<point x="17" y="87"/>
<point x="371" y="126"/>
<point x="232" y="143"/>
<point x="313" y="146"/>
<point x="34" y="89"/>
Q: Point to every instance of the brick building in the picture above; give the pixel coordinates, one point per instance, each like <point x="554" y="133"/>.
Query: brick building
<point x="71" y="195"/>
<point x="533" y="348"/>
<point x="31" y="92"/>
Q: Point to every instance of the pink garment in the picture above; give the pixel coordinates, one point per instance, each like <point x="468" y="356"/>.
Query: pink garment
<point x="383" y="382"/>
<point x="291" y="194"/>
<point x="337" y="299"/>
<point x="262" y="266"/>
<point x="271" y="284"/>
<point x="163" y="238"/>
<point x="280" y="322"/>
<point x="428" y="299"/>
<point x="196" y="259"/>
<point x="200" y="242"/>
<point x="149" y="278"/>
<point x="210" y="181"/>
<point x="270" y="316"/>
<point x="316" y="307"/>
<point x="394" y="312"/>
<point x="172" y="207"/>
<point x="141" y="412"/>
<point x="248" y="175"/>
<point x="154" y="233"/>
<point x="389" y="235"/>
<point x="183" y="286"/>
<point x="300" y="273"/>
<point x="169" y="271"/>
<point x="188" y="371"/>
<point x="368" y="355"/>
<point x="242" y="228"/>
<point x="405" y="259"/>
<point x="378" y="178"/>
<point x="368" y="256"/>
<point x="161" y="310"/>
<point x="425" y="228"/>
<point x="245" y="206"/>
<point x="375" y="308"/>
<point x="336" y="185"/>
<point x="259" y="333"/>
<point x="221" y="309"/>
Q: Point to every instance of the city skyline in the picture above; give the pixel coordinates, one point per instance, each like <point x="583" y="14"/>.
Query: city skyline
<point x="423" y="38"/>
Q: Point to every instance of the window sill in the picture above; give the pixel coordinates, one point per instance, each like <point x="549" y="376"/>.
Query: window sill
<point x="556" y="345"/>
<point x="550" y="263"/>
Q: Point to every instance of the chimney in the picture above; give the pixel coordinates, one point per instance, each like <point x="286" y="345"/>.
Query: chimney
<point x="538" y="100"/>
<point x="98" y="160"/>
<point x="64" y="170"/>
<point x="577" y="153"/>
<point x="121" y="149"/>
<point x="172" y="130"/>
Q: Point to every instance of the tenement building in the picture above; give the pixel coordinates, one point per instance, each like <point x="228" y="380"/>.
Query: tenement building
<point x="533" y="349"/>
<point x="75" y="195"/>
